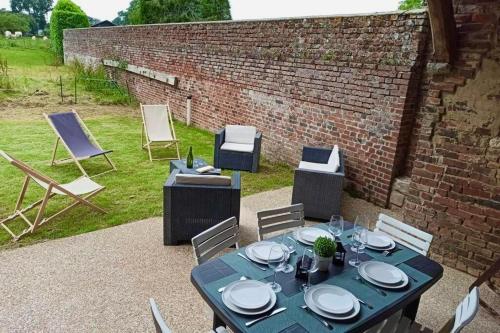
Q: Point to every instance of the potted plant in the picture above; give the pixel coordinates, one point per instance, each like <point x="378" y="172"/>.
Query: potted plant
<point x="325" y="248"/>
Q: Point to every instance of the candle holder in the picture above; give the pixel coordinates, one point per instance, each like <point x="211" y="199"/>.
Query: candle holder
<point x="340" y="253"/>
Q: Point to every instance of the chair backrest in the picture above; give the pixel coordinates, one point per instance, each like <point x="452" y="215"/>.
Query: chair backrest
<point x="466" y="310"/>
<point x="240" y="134"/>
<point x="158" y="122"/>
<point x="68" y="127"/>
<point x="279" y="219"/>
<point x="216" y="239"/>
<point x="405" y="234"/>
<point x="160" y="325"/>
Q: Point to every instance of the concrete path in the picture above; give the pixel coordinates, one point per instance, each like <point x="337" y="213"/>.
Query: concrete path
<point x="101" y="281"/>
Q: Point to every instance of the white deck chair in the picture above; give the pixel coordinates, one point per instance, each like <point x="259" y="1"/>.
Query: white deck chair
<point x="280" y="219"/>
<point x="464" y="314"/>
<point x="158" y="128"/>
<point x="217" y="238"/>
<point x="80" y="190"/>
<point x="408" y="236"/>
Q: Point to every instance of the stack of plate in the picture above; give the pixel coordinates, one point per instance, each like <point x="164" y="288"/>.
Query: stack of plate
<point x="260" y="251"/>
<point x="308" y="235"/>
<point x="332" y="302"/>
<point x="379" y="242"/>
<point x="383" y="275"/>
<point x="249" y="297"/>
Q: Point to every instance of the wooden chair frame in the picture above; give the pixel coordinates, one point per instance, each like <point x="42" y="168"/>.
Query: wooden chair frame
<point x="279" y="219"/>
<point x="72" y="157"/>
<point x="486" y="277"/>
<point x="149" y="145"/>
<point x="32" y="174"/>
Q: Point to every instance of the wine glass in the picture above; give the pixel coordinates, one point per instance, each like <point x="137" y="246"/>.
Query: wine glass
<point x="359" y="224"/>
<point x="277" y="258"/>
<point x="336" y="226"/>
<point x="313" y="268"/>
<point x="359" y="238"/>
<point x="289" y="248"/>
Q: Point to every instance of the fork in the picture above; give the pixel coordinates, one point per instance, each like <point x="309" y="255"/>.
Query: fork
<point x="390" y="252"/>
<point x="380" y="291"/>
<point x="324" y="322"/>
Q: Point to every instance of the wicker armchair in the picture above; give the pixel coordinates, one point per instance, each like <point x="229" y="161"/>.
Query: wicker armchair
<point x="189" y="209"/>
<point x="237" y="160"/>
<point x="319" y="191"/>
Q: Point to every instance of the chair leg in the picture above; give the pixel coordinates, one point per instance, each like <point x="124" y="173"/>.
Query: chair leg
<point x="20" y="199"/>
<point x="178" y="154"/>
<point x="41" y="210"/>
<point x="54" y="152"/>
<point x="148" y="145"/>
<point x="110" y="162"/>
<point x="80" y="167"/>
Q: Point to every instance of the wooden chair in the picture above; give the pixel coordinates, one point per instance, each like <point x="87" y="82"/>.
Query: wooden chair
<point x="409" y="236"/>
<point x="158" y="128"/>
<point x="279" y="219"/>
<point x="486" y="277"/>
<point x="216" y="239"/>
<point x="80" y="190"/>
<point x="77" y="139"/>
<point x="464" y="314"/>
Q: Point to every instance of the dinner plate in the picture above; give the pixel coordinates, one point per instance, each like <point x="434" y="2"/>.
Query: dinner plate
<point x="402" y="284"/>
<point x="378" y="240"/>
<point x="349" y="315"/>
<point x="250" y="255"/>
<point x="262" y="251"/>
<point x="249" y="294"/>
<point x="308" y="235"/>
<point x="231" y="306"/>
<point x="383" y="273"/>
<point x="389" y="248"/>
<point x="332" y="299"/>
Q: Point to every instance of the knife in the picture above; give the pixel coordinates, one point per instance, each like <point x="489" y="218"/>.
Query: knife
<point x="259" y="267"/>
<point x="250" y="323"/>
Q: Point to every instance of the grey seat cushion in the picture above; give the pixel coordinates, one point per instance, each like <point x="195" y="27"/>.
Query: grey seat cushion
<point x="187" y="179"/>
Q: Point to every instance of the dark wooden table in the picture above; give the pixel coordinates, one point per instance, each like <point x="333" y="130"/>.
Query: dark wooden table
<point x="216" y="269"/>
<point x="197" y="163"/>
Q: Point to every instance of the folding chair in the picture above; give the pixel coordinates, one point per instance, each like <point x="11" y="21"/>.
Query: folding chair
<point x="80" y="190"/>
<point x="158" y="128"/>
<point x="77" y="139"/>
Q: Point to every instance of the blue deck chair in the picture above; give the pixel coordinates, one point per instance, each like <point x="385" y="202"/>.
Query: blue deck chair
<point x="78" y="140"/>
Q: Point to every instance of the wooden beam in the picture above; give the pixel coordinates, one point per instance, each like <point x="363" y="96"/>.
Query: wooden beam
<point x="444" y="35"/>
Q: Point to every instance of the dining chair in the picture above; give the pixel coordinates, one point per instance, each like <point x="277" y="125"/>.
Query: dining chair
<point x="279" y="219"/>
<point x="486" y="277"/>
<point x="217" y="238"/>
<point x="405" y="234"/>
<point x="161" y="326"/>
<point x="464" y="314"/>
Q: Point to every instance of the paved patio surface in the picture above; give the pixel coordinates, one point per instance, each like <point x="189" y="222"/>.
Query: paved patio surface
<point x="101" y="281"/>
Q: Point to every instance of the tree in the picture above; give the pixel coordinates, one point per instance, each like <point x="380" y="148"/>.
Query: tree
<point x="37" y="9"/>
<point x="15" y="22"/>
<point x="131" y="15"/>
<point x="66" y="15"/>
<point x="410" y="4"/>
<point x="165" y="11"/>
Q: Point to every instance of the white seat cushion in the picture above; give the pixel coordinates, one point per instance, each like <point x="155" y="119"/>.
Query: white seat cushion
<point x="317" y="167"/>
<point x="242" y="147"/>
<point x="240" y="134"/>
<point x="188" y="179"/>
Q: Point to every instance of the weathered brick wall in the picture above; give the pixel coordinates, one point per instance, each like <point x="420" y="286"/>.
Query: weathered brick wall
<point x="316" y="81"/>
<point x="454" y="191"/>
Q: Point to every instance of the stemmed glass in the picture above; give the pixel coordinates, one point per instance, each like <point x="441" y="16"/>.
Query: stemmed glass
<point x="359" y="223"/>
<point x="336" y="226"/>
<point x="276" y="260"/>
<point x="288" y="244"/>
<point x="312" y="267"/>
<point x="359" y="238"/>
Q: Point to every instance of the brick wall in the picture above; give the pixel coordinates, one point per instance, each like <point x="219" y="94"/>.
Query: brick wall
<point x="454" y="191"/>
<point x="316" y="81"/>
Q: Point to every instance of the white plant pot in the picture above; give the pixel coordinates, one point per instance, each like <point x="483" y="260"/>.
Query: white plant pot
<point x="324" y="263"/>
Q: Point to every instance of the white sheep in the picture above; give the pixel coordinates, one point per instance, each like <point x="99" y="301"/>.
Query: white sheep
<point x="45" y="38"/>
<point x="34" y="37"/>
<point x="8" y="34"/>
<point x="18" y="34"/>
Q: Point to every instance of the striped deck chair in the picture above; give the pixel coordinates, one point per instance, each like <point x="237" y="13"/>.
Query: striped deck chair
<point x="80" y="190"/>
<point x="158" y="128"/>
<point x="77" y="139"/>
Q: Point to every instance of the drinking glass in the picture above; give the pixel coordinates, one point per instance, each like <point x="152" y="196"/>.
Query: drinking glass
<point x="277" y="258"/>
<point x="290" y="246"/>
<point x="336" y="226"/>
<point x="313" y="268"/>
<point x="359" y="238"/>
<point x="359" y="224"/>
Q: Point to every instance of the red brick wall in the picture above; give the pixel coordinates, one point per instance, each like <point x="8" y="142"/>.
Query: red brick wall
<point x="317" y="81"/>
<point x="455" y="181"/>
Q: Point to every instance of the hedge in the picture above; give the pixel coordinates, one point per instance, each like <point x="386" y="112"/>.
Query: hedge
<point x="65" y="15"/>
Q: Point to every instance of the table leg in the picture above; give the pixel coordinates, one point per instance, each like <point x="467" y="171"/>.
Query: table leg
<point x="217" y="322"/>
<point x="411" y="310"/>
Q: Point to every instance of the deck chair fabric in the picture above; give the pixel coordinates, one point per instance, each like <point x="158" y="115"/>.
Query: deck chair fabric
<point x="79" y="190"/>
<point x="158" y="127"/>
<point x="70" y="129"/>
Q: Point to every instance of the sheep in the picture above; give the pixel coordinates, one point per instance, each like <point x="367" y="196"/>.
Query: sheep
<point x="18" y="34"/>
<point x="8" y="34"/>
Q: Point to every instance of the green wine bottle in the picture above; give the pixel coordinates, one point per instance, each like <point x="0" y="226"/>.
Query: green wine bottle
<point x="189" y="159"/>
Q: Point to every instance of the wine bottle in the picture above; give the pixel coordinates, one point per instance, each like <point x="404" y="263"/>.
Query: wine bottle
<point x="189" y="159"/>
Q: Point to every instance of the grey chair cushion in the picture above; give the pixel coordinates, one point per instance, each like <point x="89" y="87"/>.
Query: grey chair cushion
<point x="242" y="147"/>
<point x="240" y="134"/>
<point x="187" y="179"/>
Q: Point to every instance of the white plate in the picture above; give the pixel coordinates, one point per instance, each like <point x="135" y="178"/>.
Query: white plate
<point x="383" y="273"/>
<point x="262" y="250"/>
<point x="332" y="299"/>
<point x="378" y="240"/>
<point x="248" y="294"/>
<point x="227" y="302"/>
<point x="310" y="303"/>
<point x="308" y="235"/>
<point x="251" y="256"/>
<point x="365" y="276"/>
